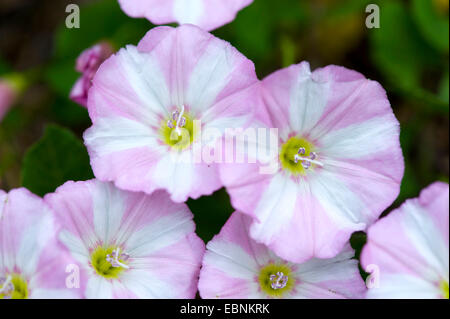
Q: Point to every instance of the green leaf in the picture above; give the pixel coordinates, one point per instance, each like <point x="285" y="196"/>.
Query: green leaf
<point x="432" y="25"/>
<point x="398" y="49"/>
<point x="210" y="213"/>
<point x="69" y="114"/>
<point x="56" y="158"/>
<point x="256" y="30"/>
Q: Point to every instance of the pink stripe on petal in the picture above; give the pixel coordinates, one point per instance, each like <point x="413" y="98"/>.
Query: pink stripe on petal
<point x="410" y="239"/>
<point x="245" y="185"/>
<point x="129" y="174"/>
<point x="216" y="284"/>
<point x="178" y="265"/>
<point x="73" y="207"/>
<point x="435" y="199"/>
<point x="311" y="232"/>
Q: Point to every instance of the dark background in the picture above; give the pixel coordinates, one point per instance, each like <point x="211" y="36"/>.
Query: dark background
<point x="40" y="138"/>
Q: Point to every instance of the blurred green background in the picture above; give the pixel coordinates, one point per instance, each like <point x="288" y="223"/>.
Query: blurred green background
<point x="40" y="138"/>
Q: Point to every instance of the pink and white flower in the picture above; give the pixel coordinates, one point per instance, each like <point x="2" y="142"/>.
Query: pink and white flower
<point x="338" y="166"/>
<point x="87" y="64"/>
<point x="408" y="250"/>
<point x="145" y="103"/>
<point x="130" y="245"/>
<point x="207" y="14"/>
<point x="32" y="262"/>
<point x="235" y="266"/>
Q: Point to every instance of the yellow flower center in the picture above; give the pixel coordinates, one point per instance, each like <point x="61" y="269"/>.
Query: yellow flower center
<point x="276" y="280"/>
<point x="444" y="289"/>
<point x="297" y="156"/>
<point x="178" y="130"/>
<point x="13" y="287"/>
<point x="109" y="262"/>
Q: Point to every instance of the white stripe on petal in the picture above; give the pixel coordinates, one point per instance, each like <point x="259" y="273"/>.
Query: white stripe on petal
<point x="316" y="270"/>
<point x="275" y="208"/>
<point x="308" y="99"/>
<point x="99" y="288"/>
<point x="361" y="140"/>
<point x="341" y="204"/>
<point x="175" y="173"/>
<point x="159" y="234"/>
<point x="76" y="246"/>
<point x="42" y="293"/>
<point x="109" y="207"/>
<point x="427" y="240"/>
<point x="403" y="286"/>
<point x="188" y="11"/>
<point x="110" y="135"/>
<point x="147" y="286"/>
<point x="40" y="231"/>
<point x="210" y="76"/>
<point x="147" y="79"/>
<point x="231" y="259"/>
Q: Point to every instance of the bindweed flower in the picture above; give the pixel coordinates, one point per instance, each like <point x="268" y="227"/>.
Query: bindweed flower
<point x="337" y="167"/>
<point x="32" y="262"/>
<point x="207" y="14"/>
<point x="147" y="103"/>
<point x="235" y="266"/>
<point x="87" y="64"/>
<point x="130" y="245"/>
<point x="407" y="251"/>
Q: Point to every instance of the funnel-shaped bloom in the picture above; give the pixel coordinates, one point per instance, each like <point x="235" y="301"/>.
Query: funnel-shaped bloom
<point x="207" y="14"/>
<point x="235" y="266"/>
<point x="32" y="262"/>
<point x="130" y="245"/>
<point x="407" y="251"/>
<point x="87" y="64"/>
<point x="338" y="162"/>
<point x="148" y="104"/>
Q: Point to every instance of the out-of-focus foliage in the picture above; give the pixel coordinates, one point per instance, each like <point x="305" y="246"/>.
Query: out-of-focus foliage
<point x="100" y="20"/>
<point x="54" y="159"/>
<point x="210" y="213"/>
<point x="408" y="55"/>
<point x="405" y="57"/>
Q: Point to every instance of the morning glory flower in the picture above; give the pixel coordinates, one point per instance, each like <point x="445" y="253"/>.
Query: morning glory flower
<point x="87" y="64"/>
<point x="338" y="164"/>
<point x="207" y="14"/>
<point x="32" y="262"/>
<point x="407" y="251"/>
<point x="235" y="267"/>
<point x="148" y="102"/>
<point x="129" y="245"/>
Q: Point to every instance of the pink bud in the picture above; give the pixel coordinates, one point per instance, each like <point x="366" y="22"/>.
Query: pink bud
<point x="7" y="97"/>
<point x="87" y="64"/>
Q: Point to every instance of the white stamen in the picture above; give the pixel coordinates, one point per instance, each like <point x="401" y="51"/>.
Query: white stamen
<point x="114" y="261"/>
<point x="7" y="285"/>
<point x="298" y="158"/>
<point x="279" y="280"/>
<point x="306" y="161"/>
<point x="181" y="121"/>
